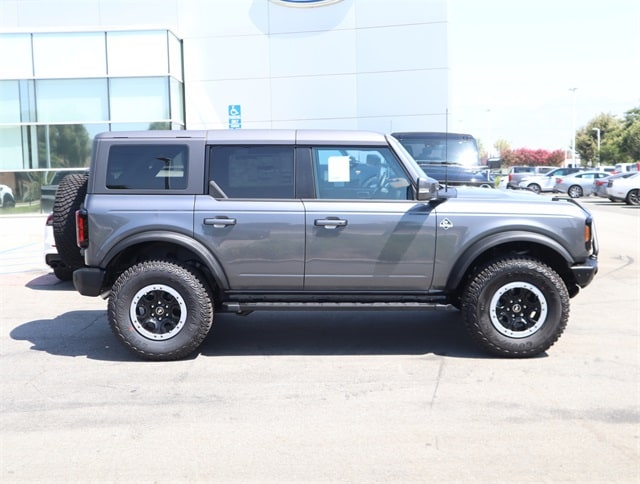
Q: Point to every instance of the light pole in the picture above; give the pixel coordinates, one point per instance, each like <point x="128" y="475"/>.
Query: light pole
<point x="598" y="133"/>
<point x="573" y="126"/>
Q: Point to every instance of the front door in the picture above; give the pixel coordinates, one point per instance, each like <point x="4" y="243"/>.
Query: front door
<point x="364" y="232"/>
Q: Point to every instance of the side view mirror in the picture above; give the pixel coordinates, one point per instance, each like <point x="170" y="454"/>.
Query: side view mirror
<point x="427" y="188"/>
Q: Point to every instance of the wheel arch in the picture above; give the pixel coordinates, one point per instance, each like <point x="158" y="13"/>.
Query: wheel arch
<point x="540" y="246"/>
<point x="169" y="245"/>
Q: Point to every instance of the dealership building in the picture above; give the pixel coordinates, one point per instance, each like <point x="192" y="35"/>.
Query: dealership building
<point x="70" y="69"/>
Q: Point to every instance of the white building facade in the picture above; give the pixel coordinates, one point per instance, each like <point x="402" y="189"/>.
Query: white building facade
<point x="211" y="64"/>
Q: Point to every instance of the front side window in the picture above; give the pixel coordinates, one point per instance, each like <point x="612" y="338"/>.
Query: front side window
<point x="253" y="171"/>
<point x="147" y="167"/>
<point x="352" y="173"/>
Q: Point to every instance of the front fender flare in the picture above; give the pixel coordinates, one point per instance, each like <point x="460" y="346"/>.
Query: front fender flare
<point x="485" y="244"/>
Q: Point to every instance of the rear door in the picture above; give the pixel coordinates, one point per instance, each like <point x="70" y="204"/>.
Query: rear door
<point x="364" y="232"/>
<point x="251" y="220"/>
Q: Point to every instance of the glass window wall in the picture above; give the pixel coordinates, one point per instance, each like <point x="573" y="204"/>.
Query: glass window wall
<point x="69" y="100"/>
<point x="15" y="56"/>
<point x="69" y="55"/>
<point x="58" y="90"/>
<point x="138" y="53"/>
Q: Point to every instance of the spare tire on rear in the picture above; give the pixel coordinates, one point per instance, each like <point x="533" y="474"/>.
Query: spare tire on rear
<point x="69" y="197"/>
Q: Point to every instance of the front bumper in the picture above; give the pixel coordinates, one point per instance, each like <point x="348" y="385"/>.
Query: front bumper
<point x="585" y="272"/>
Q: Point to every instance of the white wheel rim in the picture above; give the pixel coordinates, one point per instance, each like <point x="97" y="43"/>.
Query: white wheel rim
<point x="158" y="312"/>
<point x="518" y="309"/>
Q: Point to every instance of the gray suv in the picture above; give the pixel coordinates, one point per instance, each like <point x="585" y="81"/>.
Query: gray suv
<point x="176" y="226"/>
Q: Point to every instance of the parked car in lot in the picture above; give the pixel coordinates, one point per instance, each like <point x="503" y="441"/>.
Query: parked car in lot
<point x="547" y="181"/>
<point x="450" y="158"/>
<point x="625" y="189"/>
<point x="517" y="173"/>
<point x="578" y="184"/>
<point x="7" y="200"/>
<point x="600" y="184"/>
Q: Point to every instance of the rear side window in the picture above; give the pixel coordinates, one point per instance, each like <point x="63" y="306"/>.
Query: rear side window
<point x="147" y="167"/>
<point x="255" y="171"/>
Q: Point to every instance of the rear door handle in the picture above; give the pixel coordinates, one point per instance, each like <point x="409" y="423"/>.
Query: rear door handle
<point x="220" y="222"/>
<point x="330" y="223"/>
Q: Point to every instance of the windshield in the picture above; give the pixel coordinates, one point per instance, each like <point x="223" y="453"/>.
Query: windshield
<point x="442" y="147"/>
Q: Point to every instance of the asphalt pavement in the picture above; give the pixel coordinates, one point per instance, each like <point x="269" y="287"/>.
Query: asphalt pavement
<point x="318" y="397"/>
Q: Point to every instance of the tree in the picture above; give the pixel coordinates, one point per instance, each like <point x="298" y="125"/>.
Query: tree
<point x="501" y="145"/>
<point x="64" y="146"/>
<point x="619" y="139"/>
<point x="526" y="156"/>
<point x="587" y="144"/>
<point x="631" y="134"/>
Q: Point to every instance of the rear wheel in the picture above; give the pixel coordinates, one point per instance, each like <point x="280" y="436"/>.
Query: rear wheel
<point x="515" y="307"/>
<point x="575" y="191"/>
<point x="69" y="197"/>
<point x="160" y="310"/>
<point x="633" y="197"/>
<point x="534" y="187"/>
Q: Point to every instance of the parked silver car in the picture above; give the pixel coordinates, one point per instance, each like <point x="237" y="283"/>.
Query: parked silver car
<point x="579" y="184"/>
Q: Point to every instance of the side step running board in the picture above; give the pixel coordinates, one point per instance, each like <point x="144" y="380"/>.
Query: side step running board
<point x="247" y="307"/>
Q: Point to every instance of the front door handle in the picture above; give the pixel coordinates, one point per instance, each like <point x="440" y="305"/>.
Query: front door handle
<point x="330" y="223"/>
<point x="220" y="222"/>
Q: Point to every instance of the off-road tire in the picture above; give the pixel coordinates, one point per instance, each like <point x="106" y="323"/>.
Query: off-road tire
<point x="515" y="307"/>
<point x="69" y="196"/>
<point x="160" y="310"/>
<point x="63" y="273"/>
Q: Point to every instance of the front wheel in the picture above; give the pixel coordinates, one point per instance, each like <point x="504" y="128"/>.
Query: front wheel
<point x="516" y="307"/>
<point x="160" y="310"/>
<point x="633" y="197"/>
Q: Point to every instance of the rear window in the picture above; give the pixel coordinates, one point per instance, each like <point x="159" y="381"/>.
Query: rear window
<point x="147" y="167"/>
<point x="253" y="171"/>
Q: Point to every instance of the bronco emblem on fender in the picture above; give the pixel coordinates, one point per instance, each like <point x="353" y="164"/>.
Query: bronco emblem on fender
<point x="446" y="224"/>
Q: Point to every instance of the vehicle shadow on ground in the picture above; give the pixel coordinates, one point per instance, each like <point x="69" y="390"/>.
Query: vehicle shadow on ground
<point x="49" y="282"/>
<point x="87" y="334"/>
<point x="341" y="333"/>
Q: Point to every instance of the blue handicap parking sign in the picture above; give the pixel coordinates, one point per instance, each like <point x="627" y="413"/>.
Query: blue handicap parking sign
<point x="235" y="110"/>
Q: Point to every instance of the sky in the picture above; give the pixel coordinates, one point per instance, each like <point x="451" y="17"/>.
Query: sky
<point x="513" y="64"/>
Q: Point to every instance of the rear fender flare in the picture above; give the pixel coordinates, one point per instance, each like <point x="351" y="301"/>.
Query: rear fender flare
<point x="179" y="239"/>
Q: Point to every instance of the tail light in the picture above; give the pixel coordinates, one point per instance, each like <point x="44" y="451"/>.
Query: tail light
<point x="82" y="229"/>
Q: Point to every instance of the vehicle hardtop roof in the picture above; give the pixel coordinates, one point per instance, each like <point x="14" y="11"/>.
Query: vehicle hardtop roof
<point x="429" y="134"/>
<point x="222" y="136"/>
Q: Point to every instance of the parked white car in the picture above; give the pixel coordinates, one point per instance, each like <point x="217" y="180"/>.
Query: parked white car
<point x="7" y="199"/>
<point x="579" y="184"/>
<point x="625" y="189"/>
<point x="546" y="182"/>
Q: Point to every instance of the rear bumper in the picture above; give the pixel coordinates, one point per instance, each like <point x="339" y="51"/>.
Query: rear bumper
<point x="584" y="273"/>
<point x="89" y="281"/>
